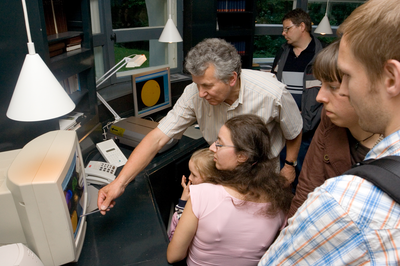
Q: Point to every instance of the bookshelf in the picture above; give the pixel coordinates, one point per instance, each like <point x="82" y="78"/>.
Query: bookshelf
<point x="73" y="21"/>
<point x="232" y="20"/>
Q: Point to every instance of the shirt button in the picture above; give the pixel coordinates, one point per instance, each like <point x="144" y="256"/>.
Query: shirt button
<point x="326" y="157"/>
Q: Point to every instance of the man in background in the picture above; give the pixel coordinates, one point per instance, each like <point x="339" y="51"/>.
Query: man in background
<point x="293" y="67"/>
<point x="348" y="220"/>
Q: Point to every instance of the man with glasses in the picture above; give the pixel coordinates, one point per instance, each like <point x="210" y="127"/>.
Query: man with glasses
<point x="293" y="67"/>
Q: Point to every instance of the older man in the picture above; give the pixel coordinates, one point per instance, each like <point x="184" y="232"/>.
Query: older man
<point x="348" y="220"/>
<point x="220" y="90"/>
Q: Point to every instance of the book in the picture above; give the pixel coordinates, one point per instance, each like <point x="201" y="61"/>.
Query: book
<point x="71" y="121"/>
<point x="73" y="43"/>
<point x="74" y="40"/>
<point x="73" y="82"/>
<point x="73" y="47"/>
<point x="56" y="48"/>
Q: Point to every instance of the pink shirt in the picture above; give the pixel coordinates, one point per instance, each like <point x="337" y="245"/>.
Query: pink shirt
<point x="229" y="234"/>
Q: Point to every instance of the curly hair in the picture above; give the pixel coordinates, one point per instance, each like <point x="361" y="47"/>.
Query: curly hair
<point x="218" y="52"/>
<point x="256" y="178"/>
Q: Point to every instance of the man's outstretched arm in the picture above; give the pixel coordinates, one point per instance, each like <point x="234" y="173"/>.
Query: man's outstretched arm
<point x="138" y="160"/>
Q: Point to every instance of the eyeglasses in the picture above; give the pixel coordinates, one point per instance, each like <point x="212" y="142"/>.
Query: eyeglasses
<point x="285" y="30"/>
<point x="217" y="145"/>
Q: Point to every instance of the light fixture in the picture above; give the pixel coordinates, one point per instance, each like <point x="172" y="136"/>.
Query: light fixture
<point x="130" y="62"/>
<point x="37" y="95"/>
<point x="170" y="33"/>
<point x="324" y="26"/>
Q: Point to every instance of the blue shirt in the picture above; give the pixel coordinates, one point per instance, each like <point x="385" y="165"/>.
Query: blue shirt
<point x="346" y="221"/>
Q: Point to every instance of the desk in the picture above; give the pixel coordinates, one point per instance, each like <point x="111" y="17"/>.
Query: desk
<point x="134" y="231"/>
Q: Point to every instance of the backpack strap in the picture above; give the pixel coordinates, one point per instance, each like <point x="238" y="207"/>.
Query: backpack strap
<point x="383" y="173"/>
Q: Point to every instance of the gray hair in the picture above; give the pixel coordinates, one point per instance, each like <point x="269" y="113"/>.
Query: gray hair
<point x="218" y="52"/>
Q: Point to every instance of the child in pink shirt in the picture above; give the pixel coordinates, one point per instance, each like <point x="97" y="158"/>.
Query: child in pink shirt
<point x="201" y="166"/>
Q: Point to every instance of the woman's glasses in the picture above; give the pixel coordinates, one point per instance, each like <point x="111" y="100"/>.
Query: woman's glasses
<point x="217" y="145"/>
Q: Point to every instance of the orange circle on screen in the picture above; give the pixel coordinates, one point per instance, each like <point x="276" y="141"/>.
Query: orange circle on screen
<point x="151" y="93"/>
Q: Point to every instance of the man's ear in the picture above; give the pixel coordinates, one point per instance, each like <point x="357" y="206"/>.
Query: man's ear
<point x="391" y="75"/>
<point x="233" y="79"/>
<point x="302" y="26"/>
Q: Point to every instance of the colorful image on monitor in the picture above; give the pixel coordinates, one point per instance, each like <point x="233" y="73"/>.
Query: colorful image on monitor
<point x="73" y="191"/>
<point x="151" y="91"/>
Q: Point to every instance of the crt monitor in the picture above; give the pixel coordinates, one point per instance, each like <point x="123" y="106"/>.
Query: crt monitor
<point x="151" y="91"/>
<point x="42" y="195"/>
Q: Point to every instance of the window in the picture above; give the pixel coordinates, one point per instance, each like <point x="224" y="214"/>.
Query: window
<point x="269" y="13"/>
<point x="125" y="27"/>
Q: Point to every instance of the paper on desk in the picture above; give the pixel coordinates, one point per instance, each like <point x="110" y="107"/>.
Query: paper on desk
<point x="193" y="133"/>
<point x="92" y="198"/>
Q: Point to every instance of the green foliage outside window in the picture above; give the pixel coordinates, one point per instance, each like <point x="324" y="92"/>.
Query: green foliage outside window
<point x="129" y="14"/>
<point x="272" y="11"/>
<point x="337" y="13"/>
<point x="267" y="45"/>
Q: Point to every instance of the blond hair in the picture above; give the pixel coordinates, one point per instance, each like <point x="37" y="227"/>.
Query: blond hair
<point x="372" y="32"/>
<point x="203" y="161"/>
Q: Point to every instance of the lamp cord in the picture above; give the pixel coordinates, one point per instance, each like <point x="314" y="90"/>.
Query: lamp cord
<point x="327" y="6"/>
<point x="28" y="30"/>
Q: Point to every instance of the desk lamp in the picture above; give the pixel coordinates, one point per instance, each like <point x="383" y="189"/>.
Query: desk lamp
<point x="37" y="95"/>
<point x="324" y="26"/>
<point x="136" y="61"/>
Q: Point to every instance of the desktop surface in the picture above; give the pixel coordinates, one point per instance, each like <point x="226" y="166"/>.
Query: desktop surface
<point x="134" y="231"/>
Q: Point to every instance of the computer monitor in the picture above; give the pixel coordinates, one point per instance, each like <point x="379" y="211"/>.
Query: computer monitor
<point x="42" y="195"/>
<point x="151" y="91"/>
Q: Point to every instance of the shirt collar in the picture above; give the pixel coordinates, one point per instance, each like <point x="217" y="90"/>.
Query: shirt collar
<point x="386" y="147"/>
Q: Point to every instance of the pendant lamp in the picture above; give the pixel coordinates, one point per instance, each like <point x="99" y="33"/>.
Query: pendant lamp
<point x="324" y="26"/>
<point x="170" y="33"/>
<point x="37" y="95"/>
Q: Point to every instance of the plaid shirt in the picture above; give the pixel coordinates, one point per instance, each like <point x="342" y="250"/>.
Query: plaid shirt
<point x="346" y="221"/>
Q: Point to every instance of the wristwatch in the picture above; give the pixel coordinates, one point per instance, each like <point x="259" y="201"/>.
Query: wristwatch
<point x="291" y="163"/>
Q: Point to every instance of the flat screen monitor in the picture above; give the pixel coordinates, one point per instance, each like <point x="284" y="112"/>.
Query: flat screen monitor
<point x="43" y="197"/>
<point x="151" y="91"/>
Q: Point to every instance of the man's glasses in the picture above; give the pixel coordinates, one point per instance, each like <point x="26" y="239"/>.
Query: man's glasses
<point x="217" y="145"/>
<point x="285" y="30"/>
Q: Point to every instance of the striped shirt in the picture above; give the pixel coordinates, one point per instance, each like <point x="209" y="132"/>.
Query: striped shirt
<point x="346" y="221"/>
<point x="260" y="93"/>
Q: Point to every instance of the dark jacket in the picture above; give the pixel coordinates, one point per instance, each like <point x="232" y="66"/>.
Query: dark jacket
<point x="310" y="108"/>
<point x="328" y="156"/>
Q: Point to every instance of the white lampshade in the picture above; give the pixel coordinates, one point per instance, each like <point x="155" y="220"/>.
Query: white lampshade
<point x="324" y="26"/>
<point x="38" y="95"/>
<point x="170" y="33"/>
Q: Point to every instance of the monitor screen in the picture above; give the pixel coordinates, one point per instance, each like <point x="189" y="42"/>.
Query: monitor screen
<point x="151" y="91"/>
<point x="73" y="191"/>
